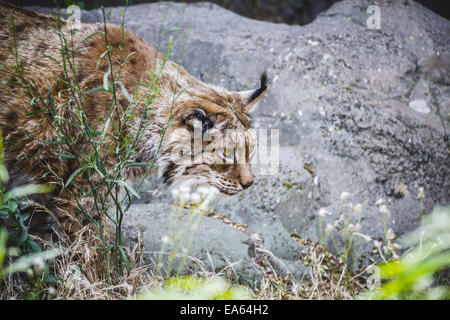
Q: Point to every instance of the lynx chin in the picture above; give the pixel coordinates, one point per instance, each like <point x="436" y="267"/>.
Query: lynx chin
<point x="183" y="105"/>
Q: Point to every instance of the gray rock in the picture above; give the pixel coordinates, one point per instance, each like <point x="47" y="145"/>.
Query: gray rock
<point x="215" y="248"/>
<point x="419" y="106"/>
<point x="340" y="96"/>
<point x="290" y="11"/>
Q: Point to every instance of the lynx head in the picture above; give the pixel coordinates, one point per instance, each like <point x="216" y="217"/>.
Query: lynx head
<point x="210" y="140"/>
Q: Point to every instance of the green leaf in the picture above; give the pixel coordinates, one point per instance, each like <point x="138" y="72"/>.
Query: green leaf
<point x="105" y="81"/>
<point x="197" y="288"/>
<point x="140" y="164"/>
<point x="4" y="176"/>
<point x="94" y="90"/>
<point x="33" y="246"/>
<point x="124" y="91"/>
<point x="52" y="279"/>
<point x="12" y="205"/>
<point x="73" y="175"/>
<point x="88" y="37"/>
<point x="23" y="233"/>
<point x="50" y="100"/>
<point x="105" y="128"/>
<point x="101" y="167"/>
<point x="127" y="186"/>
<point x="3" y="238"/>
<point x="65" y="155"/>
<point x="51" y="58"/>
<point x="125" y="260"/>
<point x="22" y="264"/>
<point x="29" y="189"/>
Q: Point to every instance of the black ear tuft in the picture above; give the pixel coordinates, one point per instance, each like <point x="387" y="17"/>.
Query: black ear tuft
<point x="264" y="80"/>
<point x="262" y="88"/>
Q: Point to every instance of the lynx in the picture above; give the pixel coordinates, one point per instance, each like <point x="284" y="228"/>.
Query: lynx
<point x="32" y="154"/>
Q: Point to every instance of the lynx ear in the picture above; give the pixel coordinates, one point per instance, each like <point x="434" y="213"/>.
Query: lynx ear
<point x="252" y="97"/>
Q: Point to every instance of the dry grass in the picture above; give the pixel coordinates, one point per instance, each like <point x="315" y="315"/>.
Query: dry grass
<point x="14" y="287"/>
<point x="84" y="276"/>
<point x="323" y="279"/>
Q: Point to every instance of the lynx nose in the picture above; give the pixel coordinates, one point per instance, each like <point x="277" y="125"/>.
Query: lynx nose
<point x="245" y="175"/>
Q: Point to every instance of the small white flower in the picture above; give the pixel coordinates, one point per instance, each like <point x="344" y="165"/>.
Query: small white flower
<point x="181" y="194"/>
<point x="329" y="228"/>
<point x="351" y="228"/>
<point x="196" y="198"/>
<point x="421" y="194"/>
<point x="165" y="239"/>
<point x="207" y="191"/>
<point x="358" y="208"/>
<point x="175" y="193"/>
<point x="345" y="196"/>
<point x="185" y="188"/>
<point x="384" y="209"/>
<point x="390" y="235"/>
<point x="204" y="190"/>
<point x="184" y="197"/>
<point x="51" y="291"/>
<point x="322" y="212"/>
<point x="377" y="244"/>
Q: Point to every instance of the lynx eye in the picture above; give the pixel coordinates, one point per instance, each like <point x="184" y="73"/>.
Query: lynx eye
<point x="227" y="155"/>
<point x="205" y="122"/>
